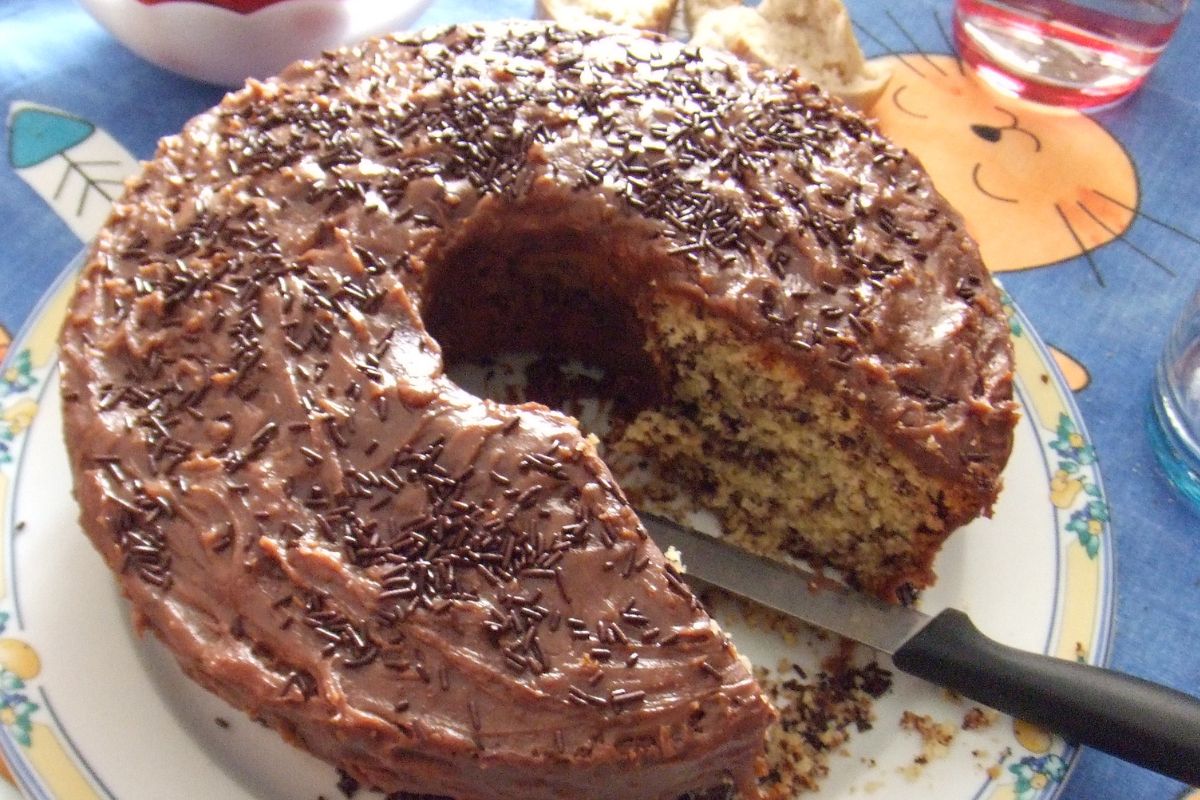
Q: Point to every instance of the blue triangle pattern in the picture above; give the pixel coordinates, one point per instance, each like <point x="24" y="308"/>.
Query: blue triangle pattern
<point x="36" y="134"/>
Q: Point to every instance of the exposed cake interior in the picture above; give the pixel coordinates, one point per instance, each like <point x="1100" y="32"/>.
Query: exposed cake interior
<point x="789" y="465"/>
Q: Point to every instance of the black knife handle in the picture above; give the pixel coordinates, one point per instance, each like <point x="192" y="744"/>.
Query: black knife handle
<point x="1135" y="720"/>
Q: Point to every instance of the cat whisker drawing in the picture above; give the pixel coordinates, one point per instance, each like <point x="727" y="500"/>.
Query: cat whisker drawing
<point x="886" y="47"/>
<point x="1083" y="250"/>
<point x="1121" y="236"/>
<point x="916" y="47"/>
<point x="949" y="42"/>
<point x="1145" y="216"/>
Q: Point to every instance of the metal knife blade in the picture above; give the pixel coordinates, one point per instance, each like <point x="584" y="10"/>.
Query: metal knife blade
<point x="1147" y="724"/>
<point x="789" y="588"/>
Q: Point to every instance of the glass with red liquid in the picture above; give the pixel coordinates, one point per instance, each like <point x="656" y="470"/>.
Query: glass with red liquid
<point x="1077" y="53"/>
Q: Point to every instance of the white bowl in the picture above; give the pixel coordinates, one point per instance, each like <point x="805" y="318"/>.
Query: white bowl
<point x="221" y="46"/>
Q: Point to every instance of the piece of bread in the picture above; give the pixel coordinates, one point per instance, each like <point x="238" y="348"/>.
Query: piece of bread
<point x="812" y="36"/>
<point x="693" y="10"/>
<point x="651" y="15"/>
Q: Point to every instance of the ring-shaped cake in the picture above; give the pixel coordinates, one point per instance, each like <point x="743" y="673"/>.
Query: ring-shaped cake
<point x="448" y="595"/>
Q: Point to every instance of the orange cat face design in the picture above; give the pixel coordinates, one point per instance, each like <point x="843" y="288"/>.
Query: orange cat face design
<point x="1036" y="185"/>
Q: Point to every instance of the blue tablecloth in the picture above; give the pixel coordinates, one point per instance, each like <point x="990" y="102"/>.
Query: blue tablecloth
<point x="1107" y="311"/>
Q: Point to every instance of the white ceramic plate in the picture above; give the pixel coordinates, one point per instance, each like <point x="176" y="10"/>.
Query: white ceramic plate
<point x="87" y="710"/>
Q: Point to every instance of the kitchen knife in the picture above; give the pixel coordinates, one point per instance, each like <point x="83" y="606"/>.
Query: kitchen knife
<point x="1135" y="720"/>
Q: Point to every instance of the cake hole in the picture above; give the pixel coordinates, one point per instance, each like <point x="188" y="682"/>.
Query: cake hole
<point x="535" y="315"/>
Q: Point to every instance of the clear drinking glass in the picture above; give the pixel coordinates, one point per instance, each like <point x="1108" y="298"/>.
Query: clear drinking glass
<point x="1077" y="53"/>
<point x="1174" y="423"/>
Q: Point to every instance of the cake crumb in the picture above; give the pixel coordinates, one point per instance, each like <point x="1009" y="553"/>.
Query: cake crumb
<point x="816" y="718"/>
<point x="818" y="711"/>
<point x="978" y="718"/>
<point x="347" y="785"/>
<point x="935" y="740"/>
<point x="675" y="559"/>
<point x="791" y="630"/>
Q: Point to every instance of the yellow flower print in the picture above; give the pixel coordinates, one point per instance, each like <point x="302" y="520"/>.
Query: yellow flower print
<point x="1033" y="738"/>
<point x="1035" y="773"/>
<point x="19" y="658"/>
<point x="20" y="415"/>
<point x="18" y="663"/>
<point x="1064" y="488"/>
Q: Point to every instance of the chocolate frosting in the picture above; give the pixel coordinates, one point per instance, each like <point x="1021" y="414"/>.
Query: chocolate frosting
<point x="440" y="593"/>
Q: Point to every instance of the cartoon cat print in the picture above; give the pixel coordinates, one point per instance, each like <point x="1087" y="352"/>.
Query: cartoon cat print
<point x="1036" y="185"/>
